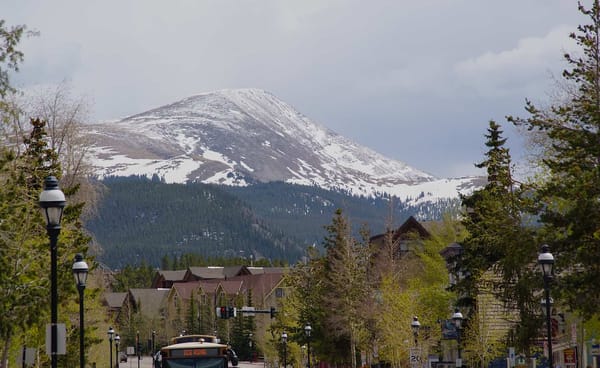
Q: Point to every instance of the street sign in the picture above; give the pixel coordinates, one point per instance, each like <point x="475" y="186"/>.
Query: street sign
<point x="415" y="357"/>
<point x="595" y="349"/>
<point x="61" y="337"/>
<point x="570" y="357"/>
<point x="511" y="356"/>
<point x="27" y="356"/>
<point x="248" y="311"/>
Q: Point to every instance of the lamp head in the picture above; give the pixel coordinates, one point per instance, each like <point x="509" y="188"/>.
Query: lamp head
<point x="111" y="333"/>
<point x="546" y="261"/>
<point x="457" y="318"/>
<point x="415" y="325"/>
<point x="307" y="329"/>
<point x="284" y="337"/>
<point x="80" y="271"/>
<point x="52" y="201"/>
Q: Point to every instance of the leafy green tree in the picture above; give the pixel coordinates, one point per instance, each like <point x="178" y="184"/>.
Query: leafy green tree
<point x="482" y="342"/>
<point x="570" y="192"/>
<point x="415" y="285"/>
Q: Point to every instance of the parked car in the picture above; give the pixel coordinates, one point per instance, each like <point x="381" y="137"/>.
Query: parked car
<point x="122" y="357"/>
<point x="232" y="356"/>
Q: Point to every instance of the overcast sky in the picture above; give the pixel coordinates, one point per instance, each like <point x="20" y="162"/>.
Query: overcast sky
<point x="416" y="80"/>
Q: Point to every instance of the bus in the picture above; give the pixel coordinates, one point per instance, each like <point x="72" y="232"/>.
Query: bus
<point x="193" y="354"/>
<point x="194" y="338"/>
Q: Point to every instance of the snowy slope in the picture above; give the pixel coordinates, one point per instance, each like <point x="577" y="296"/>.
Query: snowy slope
<point x="243" y="136"/>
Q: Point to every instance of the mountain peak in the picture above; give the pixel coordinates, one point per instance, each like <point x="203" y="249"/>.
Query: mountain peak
<point x="243" y="136"/>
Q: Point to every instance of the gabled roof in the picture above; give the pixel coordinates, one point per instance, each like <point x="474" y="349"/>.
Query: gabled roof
<point x="115" y="300"/>
<point x="411" y="225"/>
<point x="452" y="250"/>
<point x="231" y="287"/>
<point x="261" y="285"/>
<point x="149" y="301"/>
<point x="174" y="276"/>
<point x="205" y="273"/>
<point x="166" y="278"/>
<point x="184" y="289"/>
<point x="209" y="286"/>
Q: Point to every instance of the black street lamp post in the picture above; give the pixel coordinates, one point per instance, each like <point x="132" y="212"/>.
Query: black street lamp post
<point x="457" y="319"/>
<point x="284" y="341"/>
<point x="111" y="333"/>
<point x="415" y="325"/>
<point x="80" y="271"/>
<point x="52" y="201"/>
<point x="250" y="345"/>
<point x="117" y="345"/>
<point x="546" y="262"/>
<point x="307" y="331"/>
<point x="153" y="341"/>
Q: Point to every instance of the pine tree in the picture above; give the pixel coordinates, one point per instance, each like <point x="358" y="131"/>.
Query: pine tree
<point x="570" y="193"/>
<point x="499" y="241"/>
<point x="346" y="287"/>
<point x="24" y="244"/>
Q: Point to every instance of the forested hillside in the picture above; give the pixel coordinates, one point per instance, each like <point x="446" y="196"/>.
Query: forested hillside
<point x="141" y="219"/>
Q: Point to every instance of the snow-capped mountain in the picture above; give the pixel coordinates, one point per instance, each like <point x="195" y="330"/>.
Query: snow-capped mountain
<point x="244" y="136"/>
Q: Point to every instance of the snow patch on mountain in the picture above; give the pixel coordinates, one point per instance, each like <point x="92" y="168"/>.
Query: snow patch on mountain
<point x="241" y="136"/>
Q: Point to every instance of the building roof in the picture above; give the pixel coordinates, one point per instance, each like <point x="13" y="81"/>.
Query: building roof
<point x="411" y="225"/>
<point x="452" y="250"/>
<point x="261" y="285"/>
<point x="261" y="270"/>
<point x="115" y="300"/>
<point x="184" y="289"/>
<point x="231" y="287"/>
<point x="148" y="301"/>
<point x="167" y="278"/>
<point x="205" y="273"/>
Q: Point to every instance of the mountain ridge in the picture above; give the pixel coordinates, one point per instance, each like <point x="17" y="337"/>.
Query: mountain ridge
<point x="245" y="136"/>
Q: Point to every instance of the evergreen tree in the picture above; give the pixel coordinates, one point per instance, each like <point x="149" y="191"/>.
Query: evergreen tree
<point x="499" y="241"/>
<point x="570" y="193"/>
<point x="346" y="289"/>
<point x="23" y="244"/>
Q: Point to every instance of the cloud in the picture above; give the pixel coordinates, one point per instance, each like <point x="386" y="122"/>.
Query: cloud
<point x="517" y="70"/>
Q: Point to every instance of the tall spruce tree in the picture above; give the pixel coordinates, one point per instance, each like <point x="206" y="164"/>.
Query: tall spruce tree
<point x="346" y="288"/>
<point x="24" y="245"/>
<point x="570" y="193"/>
<point x="500" y="242"/>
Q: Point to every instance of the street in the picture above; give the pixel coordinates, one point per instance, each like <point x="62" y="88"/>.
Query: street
<point x="132" y="362"/>
<point x="146" y="362"/>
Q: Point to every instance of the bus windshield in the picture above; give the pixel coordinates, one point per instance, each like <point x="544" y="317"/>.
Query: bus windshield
<point x="215" y="362"/>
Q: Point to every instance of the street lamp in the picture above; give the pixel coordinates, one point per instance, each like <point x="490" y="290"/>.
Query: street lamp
<point x="251" y="358"/>
<point x="307" y="331"/>
<point x="415" y="325"/>
<point x="457" y="319"/>
<point x="80" y="271"/>
<point x="153" y="339"/>
<point x="546" y="262"/>
<point x="52" y="201"/>
<point x="117" y="343"/>
<point x="284" y="341"/>
<point x="111" y="333"/>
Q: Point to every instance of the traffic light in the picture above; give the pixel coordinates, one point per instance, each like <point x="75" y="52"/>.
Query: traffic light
<point x="272" y="312"/>
<point x="222" y="312"/>
<point x="231" y="312"/>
